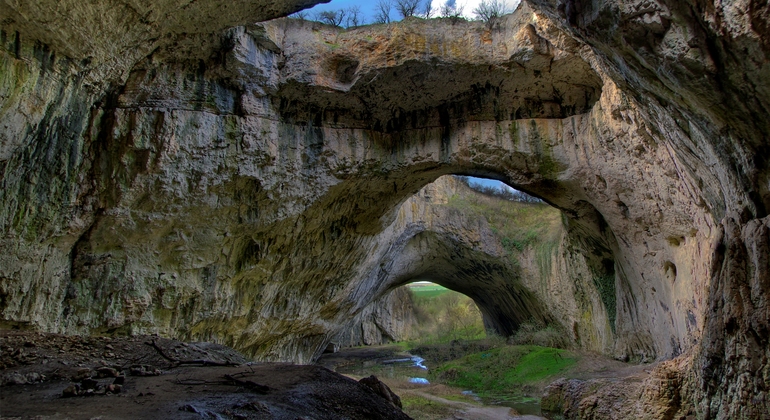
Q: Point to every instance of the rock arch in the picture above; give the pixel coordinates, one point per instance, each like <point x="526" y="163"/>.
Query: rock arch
<point x="238" y="187"/>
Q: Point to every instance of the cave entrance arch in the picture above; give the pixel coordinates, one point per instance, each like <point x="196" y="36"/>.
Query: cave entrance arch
<point x="441" y="235"/>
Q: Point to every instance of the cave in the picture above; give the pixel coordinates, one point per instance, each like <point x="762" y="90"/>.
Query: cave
<point x="217" y="172"/>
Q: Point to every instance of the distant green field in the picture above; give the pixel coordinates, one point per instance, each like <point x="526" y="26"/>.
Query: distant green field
<point x="427" y="290"/>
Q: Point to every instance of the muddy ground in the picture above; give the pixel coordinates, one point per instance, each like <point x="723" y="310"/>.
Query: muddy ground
<point x="49" y="376"/>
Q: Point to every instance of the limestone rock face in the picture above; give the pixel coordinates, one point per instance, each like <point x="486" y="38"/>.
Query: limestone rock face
<point x="704" y="64"/>
<point x="387" y="319"/>
<point x="163" y="174"/>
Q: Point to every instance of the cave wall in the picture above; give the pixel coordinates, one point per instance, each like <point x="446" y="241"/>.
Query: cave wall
<point x="241" y="186"/>
<point x="197" y="204"/>
<point x="705" y="64"/>
<point x="386" y="320"/>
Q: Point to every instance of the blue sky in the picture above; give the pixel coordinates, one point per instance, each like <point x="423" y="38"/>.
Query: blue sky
<point x="367" y="7"/>
<point x="488" y="182"/>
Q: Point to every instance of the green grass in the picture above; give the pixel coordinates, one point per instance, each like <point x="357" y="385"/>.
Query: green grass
<point x="427" y="290"/>
<point x="504" y="371"/>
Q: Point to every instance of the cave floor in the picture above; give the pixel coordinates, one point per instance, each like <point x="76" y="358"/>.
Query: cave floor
<point x="51" y="376"/>
<point x="161" y="378"/>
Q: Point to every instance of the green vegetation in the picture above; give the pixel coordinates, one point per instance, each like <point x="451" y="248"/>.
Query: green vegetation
<point x="426" y="290"/>
<point x="518" y="225"/>
<point x="501" y="371"/>
<point x="450" y="334"/>
<point x="444" y="315"/>
<point x="606" y="287"/>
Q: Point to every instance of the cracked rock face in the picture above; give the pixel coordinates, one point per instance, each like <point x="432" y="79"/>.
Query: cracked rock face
<point x="250" y="186"/>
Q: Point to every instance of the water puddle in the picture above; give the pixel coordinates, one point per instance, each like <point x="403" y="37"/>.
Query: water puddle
<point x="409" y="368"/>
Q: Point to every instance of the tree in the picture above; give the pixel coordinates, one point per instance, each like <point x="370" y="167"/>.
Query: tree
<point x="427" y="9"/>
<point x="382" y="11"/>
<point x="407" y="8"/>
<point x="331" y="17"/>
<point x="301" y="15"/>
<point x="490" y="10"/>
<point x="354" y="17"/>
<point x="451" y="10"/>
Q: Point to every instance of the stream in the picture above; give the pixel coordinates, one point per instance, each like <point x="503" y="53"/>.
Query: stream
<point x="414" y="369"/>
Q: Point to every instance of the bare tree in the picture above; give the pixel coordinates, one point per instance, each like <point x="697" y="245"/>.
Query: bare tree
<point x="301" y="15"/>
<point x="407" y="8"/>
<point x="382" y="11"/>
<point x="354" y="17"/>
<point x="451" y="10"/>
<point x="331" y="17"/>
<point x="490" y="10"/>
<point x="427" y="9"/>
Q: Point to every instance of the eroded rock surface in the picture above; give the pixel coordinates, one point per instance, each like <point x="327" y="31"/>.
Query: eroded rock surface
<point x="244" y="185"/>
<point x="549" y="282"/>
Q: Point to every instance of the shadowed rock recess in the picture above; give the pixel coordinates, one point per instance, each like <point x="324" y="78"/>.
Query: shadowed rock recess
<point x="164" y="171"/>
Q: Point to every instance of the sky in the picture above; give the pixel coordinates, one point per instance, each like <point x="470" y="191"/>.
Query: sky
<point x="367" y="7"/>
<point x="489" y="183"/>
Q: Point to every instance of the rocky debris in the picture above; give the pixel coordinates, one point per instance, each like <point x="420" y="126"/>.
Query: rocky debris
<point x="382" y="390"/>
<point x="71" y="391"/>
<point x="91" y="387"/>
<point x="16" y="378"/>
<point x="81" y="374"/>
<point x="89" y="358"/>
<point x="144" y="370"/>
<point x="88" y="382"/>
<point x="106" y="372"/>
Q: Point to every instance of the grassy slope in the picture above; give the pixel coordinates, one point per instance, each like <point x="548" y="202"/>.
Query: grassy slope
<point x="518" y="225"/>
<point x="504" y="370"/>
